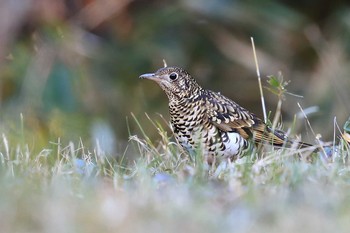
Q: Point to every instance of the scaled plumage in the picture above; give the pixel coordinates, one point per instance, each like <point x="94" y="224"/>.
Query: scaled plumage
<point x="207" y="120"/>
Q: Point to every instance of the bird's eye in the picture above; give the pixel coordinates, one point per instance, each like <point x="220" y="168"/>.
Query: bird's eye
<point x="173" y="76"/>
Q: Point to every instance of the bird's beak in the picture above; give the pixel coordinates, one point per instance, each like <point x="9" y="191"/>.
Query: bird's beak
<point x="150" y="76"/>
<point x="147" y="76"/>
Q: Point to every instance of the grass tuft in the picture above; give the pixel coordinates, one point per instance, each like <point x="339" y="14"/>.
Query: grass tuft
<point x="71" y="187"/>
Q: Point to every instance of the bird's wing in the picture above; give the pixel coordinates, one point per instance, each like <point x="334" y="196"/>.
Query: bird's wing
<point x="226" y="113"/>
<point x="229" y="116"/>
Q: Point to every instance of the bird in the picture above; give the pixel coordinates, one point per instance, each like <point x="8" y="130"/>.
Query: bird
<point x="209" y="122"/>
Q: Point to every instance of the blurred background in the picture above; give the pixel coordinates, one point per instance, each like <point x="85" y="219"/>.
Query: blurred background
<point x="69" y="69"/>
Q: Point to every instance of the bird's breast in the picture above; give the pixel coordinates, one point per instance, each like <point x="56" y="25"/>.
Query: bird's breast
<point x="193" y="130"/>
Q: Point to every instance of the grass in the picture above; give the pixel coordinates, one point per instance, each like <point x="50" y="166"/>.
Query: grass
<point x="56" y="56"/>
<point x="72" y="188"/>
<point x="157" y="187"/>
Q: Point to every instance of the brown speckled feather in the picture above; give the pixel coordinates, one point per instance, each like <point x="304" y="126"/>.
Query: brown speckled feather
<point x="229" y="116"/>
<point x="207" y="120"/>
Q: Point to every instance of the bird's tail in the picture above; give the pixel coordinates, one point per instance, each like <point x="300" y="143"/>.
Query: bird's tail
<point x="284" y="140"/>
<point x="279" y="138"/>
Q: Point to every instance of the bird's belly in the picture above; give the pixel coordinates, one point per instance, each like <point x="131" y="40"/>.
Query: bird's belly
<point x="211" y="141"/>
<point x="235" y="144"/>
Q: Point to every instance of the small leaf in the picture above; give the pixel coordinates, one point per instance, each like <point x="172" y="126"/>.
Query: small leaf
<point x="273" y="91"/>
<point x="273" y="81"/>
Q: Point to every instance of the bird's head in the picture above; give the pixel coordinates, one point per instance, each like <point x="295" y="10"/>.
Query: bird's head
<point x="176" y="82"/>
